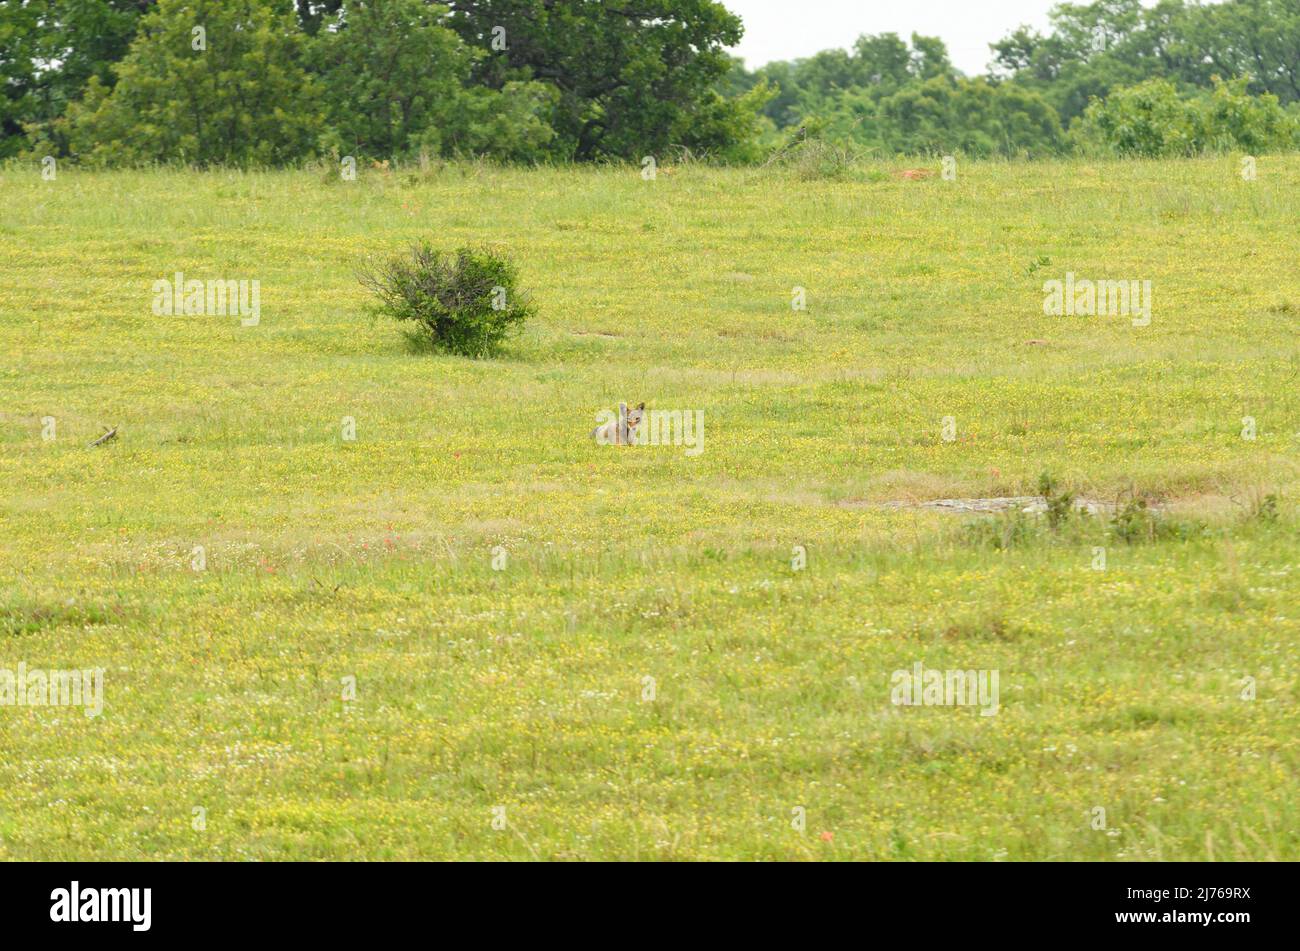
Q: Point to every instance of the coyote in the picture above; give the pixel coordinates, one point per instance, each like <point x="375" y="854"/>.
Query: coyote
<point x="620" y="431"/>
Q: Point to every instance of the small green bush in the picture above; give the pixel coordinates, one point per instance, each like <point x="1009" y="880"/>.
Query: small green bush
<point x="1136" y="522"/>
<point x="1060" y="505"/>
<point x="1261" y="506"/>
<point x="1154" y="119"/>
<point x="464" y="302"/>
<point x="1149" y="119"/>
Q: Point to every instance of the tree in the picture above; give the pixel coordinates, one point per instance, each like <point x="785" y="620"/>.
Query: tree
<point x="633" y="77"/>
<point x="883" y="60"/>
<point x="785" y="107"/>
<point x="207" y="82"/>
<point x="396" y="82"/>
<point x="86" y="38"/>
<point x="1149" y="119"/>
<point x="49" y="49"/>
<point x="1109" y="44"/>
<point x="313" y="14"/>
<point x="1255" y="38"/>
<point x="1234" y="119"/>
<point x="392" y="75"/>
<point x="1152" y="120"/>
<point x="953" y="114"/>
<point x="838" y="89"/>
<point x="1094" y="48"/>
<point x="930" y="57"/>
<point x="19" y="54"/>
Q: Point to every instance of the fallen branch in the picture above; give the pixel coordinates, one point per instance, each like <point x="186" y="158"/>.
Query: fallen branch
<point x="108" y="434"/>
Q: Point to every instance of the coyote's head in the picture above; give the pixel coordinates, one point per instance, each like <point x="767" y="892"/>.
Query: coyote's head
<point x="619" y="430"/>
<point x="633" y="415"/>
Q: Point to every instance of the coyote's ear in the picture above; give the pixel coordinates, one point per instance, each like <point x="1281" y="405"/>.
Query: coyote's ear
<point x="622" y="408"/>
<point x="642" y="406"/>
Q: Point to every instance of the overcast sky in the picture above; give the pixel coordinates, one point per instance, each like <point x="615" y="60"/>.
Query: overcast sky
<point x="788" y="29"/>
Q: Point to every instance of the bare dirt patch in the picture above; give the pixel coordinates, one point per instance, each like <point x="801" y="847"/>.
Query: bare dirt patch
<point x="1029" y="504"/>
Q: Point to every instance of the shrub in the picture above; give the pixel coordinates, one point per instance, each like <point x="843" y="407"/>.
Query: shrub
<point x="1153" y="119"/>
<point x="1135" y="522"/>
<point x="1149" y="120"/>
<point x="1261" y="506"/>
<point x="1234" y="119"/>
<point x="1267" y="510"/>
<point x="1060" y="505"/>
<point x="463" y="302"/>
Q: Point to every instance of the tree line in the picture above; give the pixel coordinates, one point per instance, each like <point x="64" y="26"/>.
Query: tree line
<point x="269" y="82"/>
<point x="1110" y="76"/>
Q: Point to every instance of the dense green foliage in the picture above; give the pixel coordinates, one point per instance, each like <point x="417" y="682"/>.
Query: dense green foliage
<point x="1095" y="48"/>
<point x="891" y="96"/>
<point x="631" y="82"/>
<point x="1152" y="120"/>
<point x="273" y="81"/>
<point x="397" y="81"/>
<point x="278" y="81"/>
<point x="49" y="50"/>
<point x="236" y="93"/>
<point x="465" y="303"/>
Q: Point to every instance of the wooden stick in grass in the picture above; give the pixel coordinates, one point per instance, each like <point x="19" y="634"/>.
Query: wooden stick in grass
<point x="108" y="434"/>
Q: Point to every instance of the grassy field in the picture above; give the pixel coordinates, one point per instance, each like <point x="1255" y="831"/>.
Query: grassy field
<point x="507" y="713"/>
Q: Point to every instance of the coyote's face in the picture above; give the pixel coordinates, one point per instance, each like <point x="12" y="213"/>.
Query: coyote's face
<point x="621" y="430"/>
<point x="633" y="415"/>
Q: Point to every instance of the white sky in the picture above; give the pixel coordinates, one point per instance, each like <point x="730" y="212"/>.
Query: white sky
<point x="789" y="29"/>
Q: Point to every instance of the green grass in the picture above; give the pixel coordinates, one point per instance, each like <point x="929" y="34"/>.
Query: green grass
<point x="523" y="688"/>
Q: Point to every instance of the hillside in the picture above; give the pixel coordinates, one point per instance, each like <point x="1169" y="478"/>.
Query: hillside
<point x="501" y="587"/>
